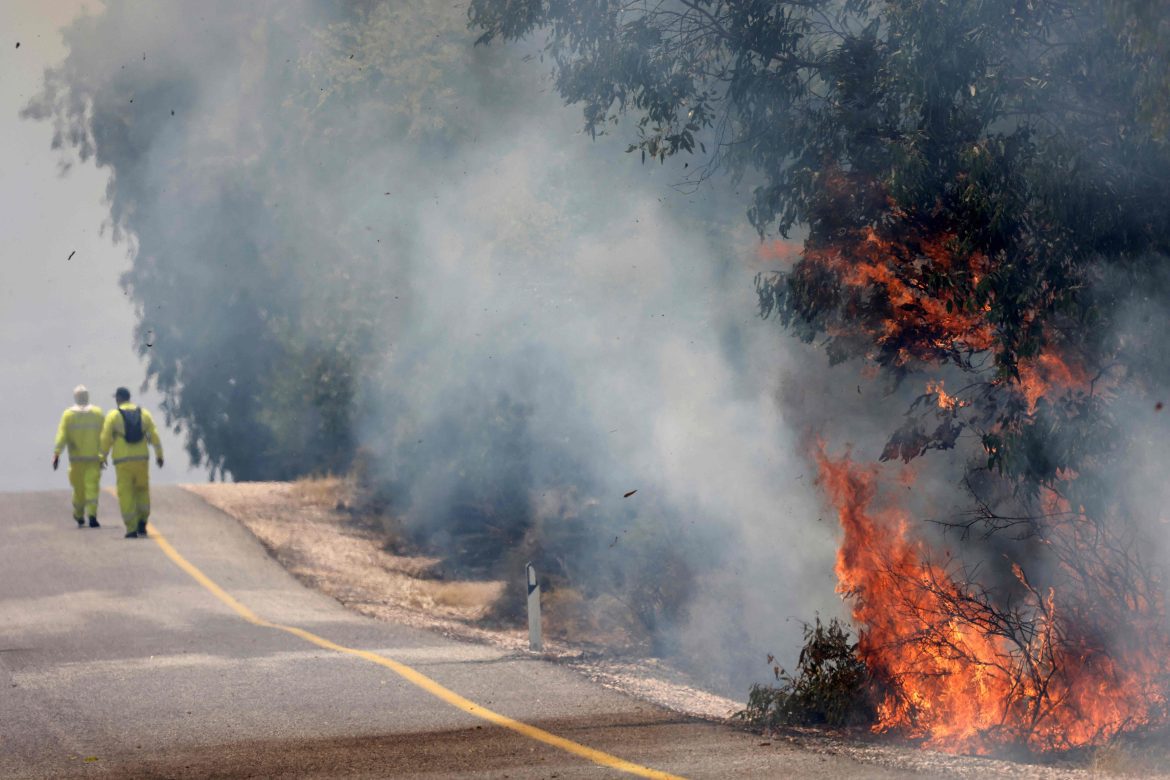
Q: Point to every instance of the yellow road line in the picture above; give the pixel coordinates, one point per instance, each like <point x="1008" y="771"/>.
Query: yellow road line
<point x="411" y="675"/>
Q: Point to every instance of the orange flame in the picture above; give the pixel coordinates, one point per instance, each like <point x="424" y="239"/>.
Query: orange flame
<point x="921" y="319"/>
<point x="1047" y="373"/>
<point x="960" y="674"/>
<point x="944" y="399"/>
<point x="783" y="253"/>
<point x="913" y="297"/>
<point x="1068" y="663"/>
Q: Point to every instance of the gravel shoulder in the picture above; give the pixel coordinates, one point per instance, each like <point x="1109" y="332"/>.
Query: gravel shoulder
<point x="310" y="529"/>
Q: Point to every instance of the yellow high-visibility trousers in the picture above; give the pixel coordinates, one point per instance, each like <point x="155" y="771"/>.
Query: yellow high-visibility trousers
<point x="85" y="476"/>
<point x="134" y="491"/>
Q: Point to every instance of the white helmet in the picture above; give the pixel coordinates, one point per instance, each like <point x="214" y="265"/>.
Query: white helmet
<point x="81" y="395"/>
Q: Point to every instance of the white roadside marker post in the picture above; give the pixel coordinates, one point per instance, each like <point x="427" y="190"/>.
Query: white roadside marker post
<point x="534" y="642"/>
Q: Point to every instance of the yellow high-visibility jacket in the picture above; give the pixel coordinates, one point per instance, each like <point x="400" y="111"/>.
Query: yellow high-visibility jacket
<point x="80" y="430"/>
<point x="114" y="435"/>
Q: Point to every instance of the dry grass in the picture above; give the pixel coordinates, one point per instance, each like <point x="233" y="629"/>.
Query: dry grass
<point x="308" y="526"/>
<point x="324" y="492"/>
<point x="466" y="595"/>
<point x="603" y="621"/>
<point x="1127" y="758"/>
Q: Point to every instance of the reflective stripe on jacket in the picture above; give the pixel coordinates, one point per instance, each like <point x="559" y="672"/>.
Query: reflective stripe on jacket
<point x="80" y="430"/>
<point x="114" y="435"/>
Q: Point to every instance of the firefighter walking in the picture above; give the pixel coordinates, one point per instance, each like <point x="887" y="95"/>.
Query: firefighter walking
<point x="80" y="431"/>
<point x="127" y="431"/>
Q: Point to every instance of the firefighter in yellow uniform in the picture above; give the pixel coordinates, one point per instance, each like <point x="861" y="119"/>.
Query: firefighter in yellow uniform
<point x="127" y="430"/>
<point x="80" y="431"/>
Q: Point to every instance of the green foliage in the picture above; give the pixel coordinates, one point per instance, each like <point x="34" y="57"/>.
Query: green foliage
<point x="264" y="309"/>
<point x="981" y="189"/>
<point x="678" y="69"/>
<point x="1028" y="138"/>
<point x="831" y="685"/>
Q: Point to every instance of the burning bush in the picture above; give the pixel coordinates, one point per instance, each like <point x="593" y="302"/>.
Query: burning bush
<point x="1069" y="662"/>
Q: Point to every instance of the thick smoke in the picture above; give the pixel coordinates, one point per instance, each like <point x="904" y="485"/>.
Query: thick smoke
<point x="349" y="218"/>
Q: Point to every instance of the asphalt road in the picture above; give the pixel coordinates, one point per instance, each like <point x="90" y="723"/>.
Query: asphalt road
<point x="117" y="662"/>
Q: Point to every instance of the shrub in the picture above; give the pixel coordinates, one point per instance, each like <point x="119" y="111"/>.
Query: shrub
<point x="831" y="685"/>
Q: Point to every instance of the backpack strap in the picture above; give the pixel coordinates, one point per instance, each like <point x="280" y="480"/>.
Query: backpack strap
<point x="125" y="422"/>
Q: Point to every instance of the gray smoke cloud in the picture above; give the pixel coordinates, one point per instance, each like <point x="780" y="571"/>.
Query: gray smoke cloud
<point x="530" y="325"/>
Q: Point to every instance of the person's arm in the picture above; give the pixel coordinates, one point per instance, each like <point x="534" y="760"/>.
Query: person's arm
<point x="151" y="431"/>
<point x="107" y="438"/>
<point x="62" y="438"/>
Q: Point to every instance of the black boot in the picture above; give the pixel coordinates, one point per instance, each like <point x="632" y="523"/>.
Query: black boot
<point x="131" y="534"/>
<point x="93" y="523"/>
<point x="80" y="522"/>
<point x="142" y="527"/>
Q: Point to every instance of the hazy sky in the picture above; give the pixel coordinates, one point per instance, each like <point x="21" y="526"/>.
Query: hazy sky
<point x="62" y="321"/>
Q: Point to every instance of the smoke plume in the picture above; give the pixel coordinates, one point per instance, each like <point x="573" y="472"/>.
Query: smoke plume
<point x="354" y="231"/>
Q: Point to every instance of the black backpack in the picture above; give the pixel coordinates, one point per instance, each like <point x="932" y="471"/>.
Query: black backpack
<point x="132" y="425"/>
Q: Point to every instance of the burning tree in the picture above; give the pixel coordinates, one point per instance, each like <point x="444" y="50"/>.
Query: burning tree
<point x="981" y="193"/>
